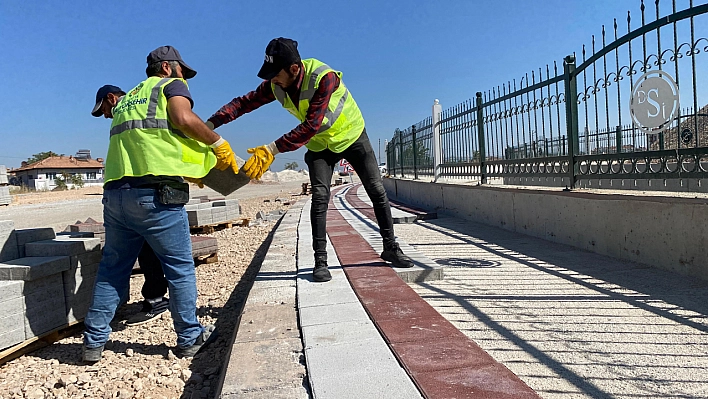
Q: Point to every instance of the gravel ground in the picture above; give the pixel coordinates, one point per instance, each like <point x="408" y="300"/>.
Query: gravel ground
<point x="138" y="361"/>
<point x="57" y="209"/>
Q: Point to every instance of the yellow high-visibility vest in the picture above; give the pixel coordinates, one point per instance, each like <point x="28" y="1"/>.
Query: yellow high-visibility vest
<point x="343" y="122"/>
<point x="144" y="141"/>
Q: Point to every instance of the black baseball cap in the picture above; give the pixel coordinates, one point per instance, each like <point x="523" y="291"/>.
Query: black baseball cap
<point x="280" y="54"/>
<point x="101" y="94"/>
<point x="169" y="53"/>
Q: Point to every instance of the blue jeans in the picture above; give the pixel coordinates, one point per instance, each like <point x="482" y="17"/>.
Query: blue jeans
<point x="132" y="217"/>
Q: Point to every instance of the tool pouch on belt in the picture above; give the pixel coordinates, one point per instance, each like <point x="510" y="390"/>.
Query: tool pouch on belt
<point x="173" y="193"/>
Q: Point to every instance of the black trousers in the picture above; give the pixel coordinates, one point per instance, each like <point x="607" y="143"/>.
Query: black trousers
<point x="362" y="158"/>
<point x="155" y="285"/>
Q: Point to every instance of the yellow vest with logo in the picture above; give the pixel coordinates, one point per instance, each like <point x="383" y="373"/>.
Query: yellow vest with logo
<point x="144" y="141"/>
<point x="342" y="124"/>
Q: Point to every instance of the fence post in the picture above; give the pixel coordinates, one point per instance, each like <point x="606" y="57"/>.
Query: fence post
<point x="571" y="116"/>
<point x="480" y="140"/>
<point x="618" y="138"/>
<point x="400" y="142"/>
<point x="388" y="161"/>
<point x="437" y="143"/>
<point x="415" y="154"/>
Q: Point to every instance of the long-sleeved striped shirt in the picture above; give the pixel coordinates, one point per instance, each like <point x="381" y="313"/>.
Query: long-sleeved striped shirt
<point x="303" y="132"/>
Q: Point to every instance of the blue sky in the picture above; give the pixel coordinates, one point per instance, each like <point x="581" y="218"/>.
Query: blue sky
<point x="396" y="56"/>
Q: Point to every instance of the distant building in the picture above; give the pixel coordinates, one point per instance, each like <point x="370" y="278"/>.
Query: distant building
<point x="41" y="175"/>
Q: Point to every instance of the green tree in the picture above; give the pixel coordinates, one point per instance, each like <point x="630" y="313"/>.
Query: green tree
<point x="77" y="181"/>
<point x="291" y="165"/>
<point x="42" y="155"/>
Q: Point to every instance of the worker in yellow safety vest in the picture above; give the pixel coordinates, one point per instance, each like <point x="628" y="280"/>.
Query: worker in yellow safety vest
<point x="155" y="140"/>
<point x="331" y="127"/>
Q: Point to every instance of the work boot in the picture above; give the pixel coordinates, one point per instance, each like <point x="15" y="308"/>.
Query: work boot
<point x="91" y="355"/>
<point x="320" y="272"/>
<point x="397" y="258"/>
<point x="152" y="308"/>
<point x="207" y="336"/>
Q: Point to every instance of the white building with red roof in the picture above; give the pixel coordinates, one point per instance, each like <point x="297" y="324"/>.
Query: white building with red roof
<point x="41" y="175"/>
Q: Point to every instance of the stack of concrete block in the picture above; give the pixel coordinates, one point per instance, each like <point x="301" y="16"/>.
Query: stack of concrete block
<point x="202" y="246"/>
<point x="89" y="226"/>
<point x="204" y="213"/>
<point x="83" y="257"/>
<point x="8" y="241"/>
<point x="4" y="189"/>
<point x="12" y="313"/>
<point x="45" y="282"/>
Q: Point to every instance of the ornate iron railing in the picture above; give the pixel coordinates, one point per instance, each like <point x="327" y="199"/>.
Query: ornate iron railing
<point x="530" y="129"/>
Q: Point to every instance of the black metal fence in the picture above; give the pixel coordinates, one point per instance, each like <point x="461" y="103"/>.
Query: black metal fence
<point x="574" y="121"/>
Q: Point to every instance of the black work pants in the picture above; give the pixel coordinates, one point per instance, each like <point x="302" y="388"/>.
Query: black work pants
<point x="362" y="158"/>
<point x="155" y="285"/>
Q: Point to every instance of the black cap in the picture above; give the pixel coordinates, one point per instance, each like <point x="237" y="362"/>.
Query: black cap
<point x="279" y="55"/>
<point x="101" y="94"/>
<point x="169" y="53"/>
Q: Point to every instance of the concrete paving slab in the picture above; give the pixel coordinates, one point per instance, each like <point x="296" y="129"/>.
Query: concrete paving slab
<point x="12" y="307"/>
<point x="12" y="337"/>
<point x="25" y="236"/>
<point x="266" y="280"/>
<point x="281" y="393"/>
<point x="271" y="295"/>
<point x="33" y="268"/>
<point x="339" y="333"/>
<point x="363" y="369"/>
<point x="10" y="290"/>
<point x="474" y="383"/>
<point x="268" y="322"/>
<point x="441" y="354"/>
<point x="63" y="247"/>
<point x="8" y="241"/>
<point x="332" y="313"/>
<point x="262" y="366"/>
<point x="335" y="291"/>
<point x="417" y="329"/>
<point x="358" y="197"/>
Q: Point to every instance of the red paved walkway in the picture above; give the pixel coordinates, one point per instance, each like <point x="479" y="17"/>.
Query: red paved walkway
<point x="441" y="360"/>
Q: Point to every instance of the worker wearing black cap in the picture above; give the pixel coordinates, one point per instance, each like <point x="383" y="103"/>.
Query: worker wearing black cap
<point x="155" y="139"/>
<point x="331" y="127"/>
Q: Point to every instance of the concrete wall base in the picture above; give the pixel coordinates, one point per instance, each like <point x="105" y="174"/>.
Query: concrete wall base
<point x="665" y="232"/>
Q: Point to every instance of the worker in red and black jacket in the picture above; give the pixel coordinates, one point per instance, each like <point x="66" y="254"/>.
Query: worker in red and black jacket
<point x="331" y="127"/>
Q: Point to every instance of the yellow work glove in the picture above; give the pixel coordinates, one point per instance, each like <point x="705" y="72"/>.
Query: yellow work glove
<point x="225" y="157"/>
<point x="196" y="181"/>
<point x="260" y="161"/>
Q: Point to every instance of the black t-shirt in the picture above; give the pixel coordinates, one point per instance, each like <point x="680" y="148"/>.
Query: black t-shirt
<point x="173" y="89"/>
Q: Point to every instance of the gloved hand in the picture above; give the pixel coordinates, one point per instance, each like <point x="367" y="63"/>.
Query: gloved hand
<point x="196" y="181"/>
<point x="225" y="157"/>
<point x="260" y="161"/>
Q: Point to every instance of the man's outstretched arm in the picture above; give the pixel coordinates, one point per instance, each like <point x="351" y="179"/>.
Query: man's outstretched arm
<point x="242" y="105"/>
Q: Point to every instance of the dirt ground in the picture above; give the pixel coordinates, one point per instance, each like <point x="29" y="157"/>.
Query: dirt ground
<point x="138" y="360"/>
<point x="43" y="197"/>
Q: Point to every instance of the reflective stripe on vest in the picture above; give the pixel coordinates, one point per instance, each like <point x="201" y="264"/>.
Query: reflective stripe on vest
<point x="143" y="142"/>
<point x="150" y="121"/>
<point x="336" y="132"/>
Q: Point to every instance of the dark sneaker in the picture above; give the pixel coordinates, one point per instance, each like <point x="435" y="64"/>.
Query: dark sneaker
<point x="150" y="311"/>
<point x="320" y="273"/>
<point x="91" y="355"/>
<point x="208" y="336"/>
<point x="396" y="257"/>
